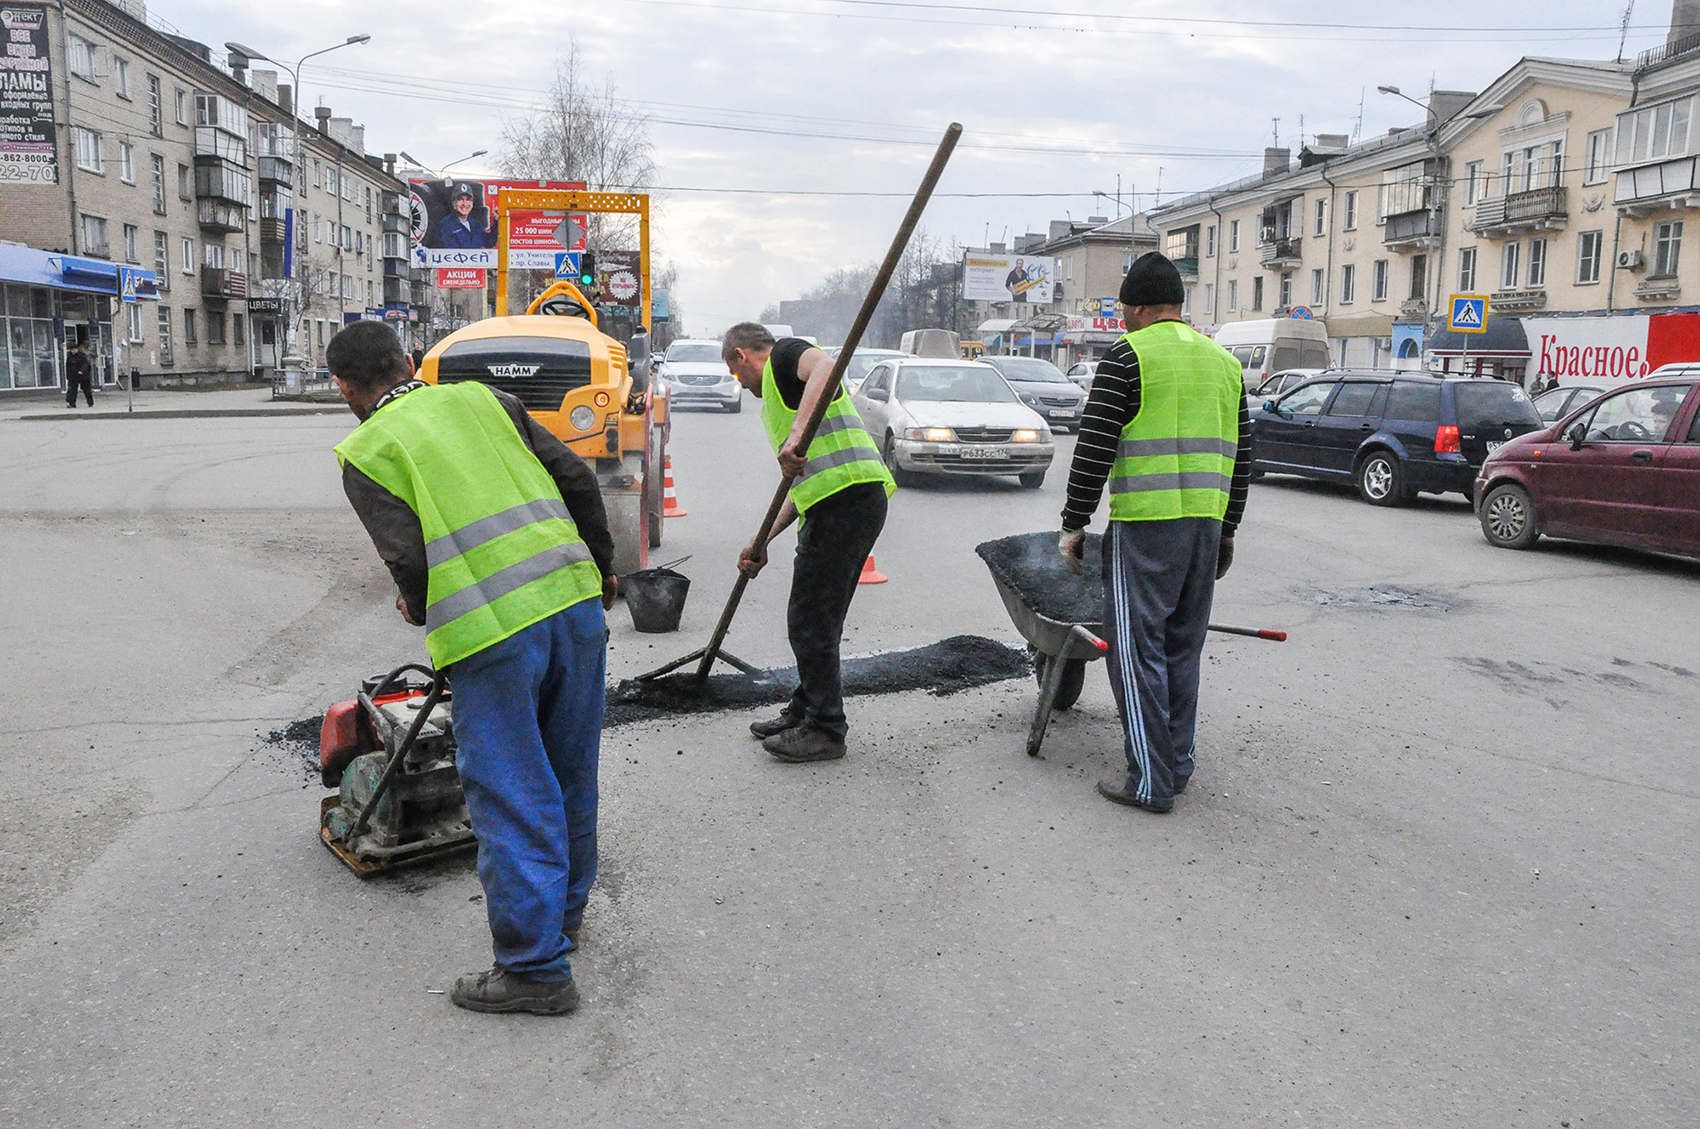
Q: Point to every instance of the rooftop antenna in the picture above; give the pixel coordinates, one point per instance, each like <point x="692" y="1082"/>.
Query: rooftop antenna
<point x="1277" y="141"/>
<point x="1301" y="131"/>
<point x="1624" y="34"/>
<point x="1358" y="129"/>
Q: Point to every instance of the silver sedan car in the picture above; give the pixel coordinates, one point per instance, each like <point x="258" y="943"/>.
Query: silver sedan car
<point x="935" y="416"/>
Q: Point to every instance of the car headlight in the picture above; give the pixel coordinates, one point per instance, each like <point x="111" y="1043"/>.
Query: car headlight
<point x="931" y="434"/>
<point x="582" y="418"/>
<point x="1024" y="435"/>
<point x="1028" y="399"/>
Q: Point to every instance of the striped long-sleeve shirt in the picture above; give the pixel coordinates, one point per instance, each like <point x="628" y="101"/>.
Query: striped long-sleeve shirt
<point x="1112" y="405"/>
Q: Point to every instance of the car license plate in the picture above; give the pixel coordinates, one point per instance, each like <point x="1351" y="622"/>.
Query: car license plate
<point x="1494" y="446"/>
<point x="1061" y="413"/>
<point x="981" y="453"/>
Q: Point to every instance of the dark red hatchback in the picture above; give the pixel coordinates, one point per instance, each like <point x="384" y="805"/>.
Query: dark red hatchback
<point x="1624" y="470"/>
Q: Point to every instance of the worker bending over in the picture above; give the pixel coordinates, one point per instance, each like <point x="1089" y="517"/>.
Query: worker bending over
<point x="1167" y="425"/>
<point x="840" y="492"/>
<point x="497" y="539"/>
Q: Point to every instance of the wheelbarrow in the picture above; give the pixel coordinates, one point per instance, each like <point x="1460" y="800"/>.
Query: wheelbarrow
<point x="1060" y="654"/>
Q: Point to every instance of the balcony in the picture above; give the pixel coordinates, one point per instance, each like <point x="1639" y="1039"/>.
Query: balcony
<point x="221" y="282"/>
<point x="272" y="230"/>
<point x="1279" y="254"/>
<point x="214" y="143"/>
<point x="1651" y="188"/>
<point x="277" y="170"/>
<point x="1663" y="289"/>
<point x="1410" y="231"/>
<point x="397" y="223"/>
<point x="1539" y="209"/>
<point x="220" y="215"/>
<point x="1187" y="267"/>
<point x="1507" y="300"/>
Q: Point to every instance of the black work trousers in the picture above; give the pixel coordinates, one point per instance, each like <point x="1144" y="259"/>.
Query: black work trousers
<point x="74" y="381"/>
<point x="835" y="539"/>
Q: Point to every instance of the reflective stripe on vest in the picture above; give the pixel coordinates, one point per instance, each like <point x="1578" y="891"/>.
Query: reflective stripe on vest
<point x="1176" y="457"/>
<point x="501" y="547"/>
<point x="841" y="453"/>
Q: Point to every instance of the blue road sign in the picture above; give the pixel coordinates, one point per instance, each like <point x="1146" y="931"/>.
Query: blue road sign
<point x="1300" y="313"/>
<point x="1468" y="313"/>
<point x="126" y="284"/>
<point x="566" y="265"/>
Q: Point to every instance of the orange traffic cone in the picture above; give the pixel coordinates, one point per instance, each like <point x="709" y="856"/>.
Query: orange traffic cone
<point x="871" y="575"/>
<point x="669" y="500"/>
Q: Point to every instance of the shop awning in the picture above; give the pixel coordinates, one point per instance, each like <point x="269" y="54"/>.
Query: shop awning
<point x="1502" y="336"/>
<point x="69" y="272"/>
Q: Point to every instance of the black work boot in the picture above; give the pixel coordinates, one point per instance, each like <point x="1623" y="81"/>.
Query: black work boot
<point x="503" y="991"/>
<point x="776" y="725"/>
<point x="804" y="743"/>
<point x="1123" y="788"/>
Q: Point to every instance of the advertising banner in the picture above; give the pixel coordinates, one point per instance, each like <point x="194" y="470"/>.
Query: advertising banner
<point x="618" y="278"/>
<point x="454" y="225"/>
<point x="1008" y="278"/>
<point x="1098" y="329"/>
<point x="27" y="138"/>
<point x="1574" y="349"/>
<point x="455" y="278"/>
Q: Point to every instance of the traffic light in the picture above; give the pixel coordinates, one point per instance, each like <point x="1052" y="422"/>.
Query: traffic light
<point x="587" y="270"/>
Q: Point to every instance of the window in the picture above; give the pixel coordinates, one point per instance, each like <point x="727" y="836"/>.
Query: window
<point x="347" y="189"/>
<point x="1467" y="270"/>
<point x="185" y="183"/>
<point x="1321" y="225"/>
<point x="161" y="258"/>
<point x="1233" y="237"/>
<point x="1667" y="248"/>
<point x="1509" y="263"/>
<point x="321" y="333"/>
<point x="1318" y="288"/>
<point x="132" y="321"/>
<point x="1654" y="132"/>
<point x="1378" y="281"/>
<point x="238" y="330"/>
<point x="1348" y="283"/>
<point x="165" y="335"/>
<point x="1414" y="402"/>
<point x="1631" y="417"/>
<point x="81" y="56"/>
<point x="121" y="78"/>
<point x="1534" y="166"/>
<point x="214" y="255"/>
<point x="94" y="237"/>
<point x="1355" y="399"/>
<point x="347" y="238"/>
<point x="1588" y="247"/>
<point x="318" y="229"/>
<point x="1209" y="299"/>
<point x="156" y="123"/>
<point x="182" y="101"/>
<point x="1257" y="292"/>
<point x="188" y="256"/>
<point x="1537" y="262"/>
<point x="1475" y="186"/>
<point x="1186" y="298"/>
<point x="316" y="173"/>
<point x="1351" y="223"/>
<point x="1209" y="240"/>
<point x="1404" y="189"/>
<point x="156" y="181"/>
<point x="126" y="163"/>
<point x="1598" y="157"/>
<point x="1308" y="400"/>
<point x="132" y="243"/>
<point x="1233" y="295"/>
<point x="189" y="327"/>
<point x="1286" y="291"/>
<point x="88" y="150"/>
<point x="215" y="327"/>
<point x="1419" y="277"/>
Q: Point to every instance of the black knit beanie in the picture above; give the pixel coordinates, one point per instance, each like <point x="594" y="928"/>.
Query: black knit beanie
<point x="1152" y="281"/>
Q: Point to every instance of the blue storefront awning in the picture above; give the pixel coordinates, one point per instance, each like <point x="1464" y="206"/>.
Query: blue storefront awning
<point x="69" y="272"/>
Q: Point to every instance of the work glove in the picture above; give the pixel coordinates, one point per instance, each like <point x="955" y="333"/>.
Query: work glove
<point x="1224" y="557"/>
<point x="1071" y="543"/>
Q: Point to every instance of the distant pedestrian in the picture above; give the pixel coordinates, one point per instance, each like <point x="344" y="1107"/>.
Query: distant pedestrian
<point x="78" y="373"/>
<point x="840" y="492"/>
<point x="418" y="359"/>
<point x="1166" y="424"/>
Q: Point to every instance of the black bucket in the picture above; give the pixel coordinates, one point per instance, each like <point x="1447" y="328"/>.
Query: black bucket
<point x="656" y="597"/>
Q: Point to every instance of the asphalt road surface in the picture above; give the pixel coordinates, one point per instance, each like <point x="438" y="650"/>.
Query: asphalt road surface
<point x="1437" y="866"/>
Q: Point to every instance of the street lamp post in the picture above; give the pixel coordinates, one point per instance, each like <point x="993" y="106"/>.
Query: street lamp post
<point x="289" y="337"/>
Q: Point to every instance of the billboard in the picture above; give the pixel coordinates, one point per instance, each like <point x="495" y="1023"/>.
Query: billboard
<point x="1008" y="278"/>
<point x="27" y="138"/>
<point x="457" y="278"/>
<point x="454" y="224"/>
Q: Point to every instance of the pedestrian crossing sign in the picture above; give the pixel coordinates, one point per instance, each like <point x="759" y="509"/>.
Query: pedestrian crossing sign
<point x="126" y="284"/>
<point x="566" y="265"/>
<point x="1468" y="314"/>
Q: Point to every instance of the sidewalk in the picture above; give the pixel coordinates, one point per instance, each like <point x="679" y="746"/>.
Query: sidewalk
<point x="165" y="403"/>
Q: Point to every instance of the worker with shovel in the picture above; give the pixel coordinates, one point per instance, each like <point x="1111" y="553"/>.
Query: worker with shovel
<point x="1167" y="426"/>
<point x="498" y="541"/>
<point x="841" y="491"/>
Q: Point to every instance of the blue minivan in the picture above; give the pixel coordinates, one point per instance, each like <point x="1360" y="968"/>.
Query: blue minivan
<point x="1393" y="435"/>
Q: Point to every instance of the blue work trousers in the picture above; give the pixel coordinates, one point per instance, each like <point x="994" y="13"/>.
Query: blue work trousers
<point x="528" y="722"/>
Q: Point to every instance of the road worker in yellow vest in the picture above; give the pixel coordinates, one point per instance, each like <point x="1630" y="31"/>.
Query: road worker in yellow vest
<point x="840" y="492"/>
<point x="1167" y="426"/>
<point x="496" y="536"/>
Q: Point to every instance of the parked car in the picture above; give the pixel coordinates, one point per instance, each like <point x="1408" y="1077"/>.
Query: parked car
<point x="1623" y="469"/>
<point x="862" y="362"/>
<point x="1264" y="346"/>
<point x="933" y="416"/>
<point x="696" y="375"/>
<point x="1284" y="380"/>
<point x="1391" y="435"/>
<point x="1081" y="373"/>
<point x="1556" y="403"/>
<point x="1043" y="387"/>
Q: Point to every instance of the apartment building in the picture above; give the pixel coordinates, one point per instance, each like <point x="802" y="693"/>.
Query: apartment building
<point x="1091" y="256"/>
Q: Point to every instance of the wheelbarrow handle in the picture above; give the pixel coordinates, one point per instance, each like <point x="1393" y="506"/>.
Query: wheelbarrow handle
<point x="1091" y="640"/>
<point x="1251" y="632"/>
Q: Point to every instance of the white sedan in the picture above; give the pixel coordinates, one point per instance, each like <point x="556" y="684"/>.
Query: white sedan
<point x="934" y="416"/>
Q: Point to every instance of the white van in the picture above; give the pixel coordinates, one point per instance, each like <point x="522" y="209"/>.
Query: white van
<point x="931" y="343"/>
<point x="781" y="332"/>
<point x="1271" y="345"/>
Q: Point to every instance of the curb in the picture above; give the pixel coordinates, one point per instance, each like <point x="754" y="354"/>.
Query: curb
<point x="191" y="413"/>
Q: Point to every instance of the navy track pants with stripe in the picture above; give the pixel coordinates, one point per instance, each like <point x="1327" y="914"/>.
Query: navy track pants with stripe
<point x="1159" y="578"/>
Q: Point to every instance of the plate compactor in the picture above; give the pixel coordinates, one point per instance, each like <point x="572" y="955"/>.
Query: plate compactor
<point x="391" y="754"/>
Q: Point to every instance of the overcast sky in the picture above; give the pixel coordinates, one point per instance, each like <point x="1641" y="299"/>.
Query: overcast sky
<point x="790" y="98"/>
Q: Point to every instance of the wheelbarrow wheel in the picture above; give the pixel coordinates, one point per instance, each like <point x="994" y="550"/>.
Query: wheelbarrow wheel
<point x="1073" y="681"/>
